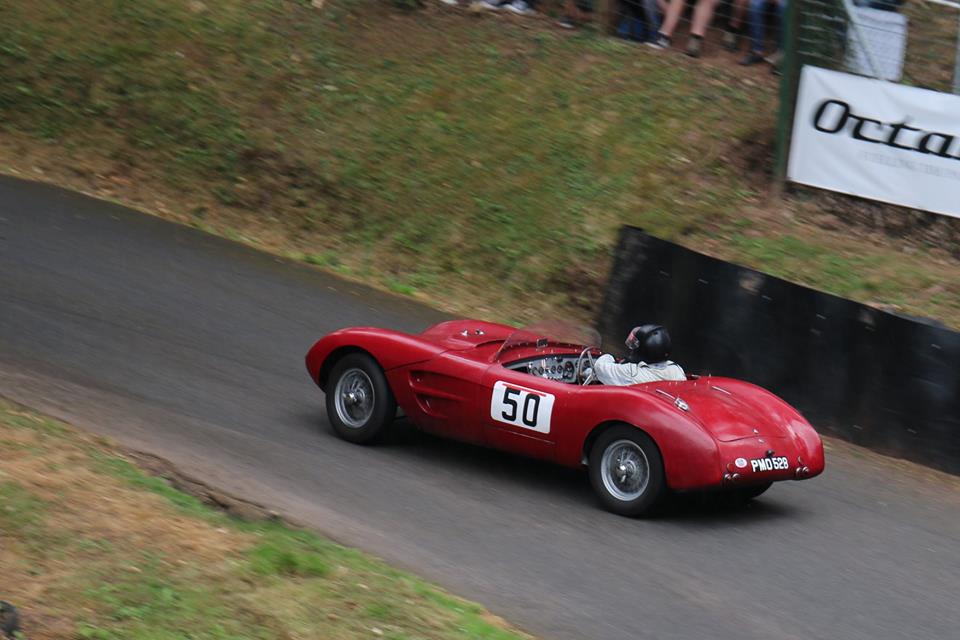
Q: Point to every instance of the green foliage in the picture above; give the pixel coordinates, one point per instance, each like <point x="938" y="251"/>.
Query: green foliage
<point x="157" y="603"/>
<point x="283" y="557"/>
<point x="19" y="509"/>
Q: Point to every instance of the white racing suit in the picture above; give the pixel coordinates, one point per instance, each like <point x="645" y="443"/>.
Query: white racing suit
<point x="608" y="371"/>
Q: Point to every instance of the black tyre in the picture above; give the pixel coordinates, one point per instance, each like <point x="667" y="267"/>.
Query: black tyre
<point x="626" y="471"/>
<point x="360" y="405"/>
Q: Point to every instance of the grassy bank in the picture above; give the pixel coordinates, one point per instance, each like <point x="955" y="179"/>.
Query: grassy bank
<point x="91" y="547"/>
<point x="481" y="162"/>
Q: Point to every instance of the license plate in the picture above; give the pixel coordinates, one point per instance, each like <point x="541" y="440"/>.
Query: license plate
<point x="779" y="463"/>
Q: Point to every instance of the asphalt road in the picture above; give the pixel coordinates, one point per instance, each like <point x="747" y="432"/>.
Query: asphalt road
<point x="191" y="347"/>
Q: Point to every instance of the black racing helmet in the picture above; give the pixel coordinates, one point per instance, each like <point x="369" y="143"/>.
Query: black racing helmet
<point x="648" y="343"/>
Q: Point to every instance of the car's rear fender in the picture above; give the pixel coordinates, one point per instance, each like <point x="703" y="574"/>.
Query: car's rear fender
<point x="391" y="349"/>
<point x="809" y="445"/>
<point x="690" y="455"/>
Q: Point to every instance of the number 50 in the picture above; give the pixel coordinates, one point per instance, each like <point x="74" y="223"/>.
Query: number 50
<point x="531" y="406"/>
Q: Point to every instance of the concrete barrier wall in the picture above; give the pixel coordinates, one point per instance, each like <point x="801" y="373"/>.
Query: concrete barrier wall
<point x="874" y="378"/>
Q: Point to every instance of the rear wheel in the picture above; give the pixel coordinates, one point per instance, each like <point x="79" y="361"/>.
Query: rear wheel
<point x="626" y="471"/>
<point x="360" y="405"/>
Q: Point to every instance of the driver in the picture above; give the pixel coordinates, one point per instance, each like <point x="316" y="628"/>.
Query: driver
<point x="649" y="346"/>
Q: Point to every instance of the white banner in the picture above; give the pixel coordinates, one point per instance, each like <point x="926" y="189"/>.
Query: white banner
<point x="878" y="140"/>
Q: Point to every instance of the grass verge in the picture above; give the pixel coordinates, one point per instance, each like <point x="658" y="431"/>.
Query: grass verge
<point x="91" y="547"/>
<point x="482" y="162"/>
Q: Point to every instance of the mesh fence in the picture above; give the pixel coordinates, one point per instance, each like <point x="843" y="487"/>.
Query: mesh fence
<point x="698" y="26"/>
<point x="914" y="43"/>
<point x="708" y="27"/>
<point x="910" y="41"/>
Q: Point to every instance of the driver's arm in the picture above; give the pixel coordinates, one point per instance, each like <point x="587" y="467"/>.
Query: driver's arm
<point x="608" y="371"/>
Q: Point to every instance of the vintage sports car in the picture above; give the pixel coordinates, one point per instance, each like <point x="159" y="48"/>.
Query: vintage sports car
<point x="522" y="390"/>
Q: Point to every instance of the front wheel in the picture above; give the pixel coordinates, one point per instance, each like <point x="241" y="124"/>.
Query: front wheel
<point x="360" y="405"/>
<point x="626" y="471"/>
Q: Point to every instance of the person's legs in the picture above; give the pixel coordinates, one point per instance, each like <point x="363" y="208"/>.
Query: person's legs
<point x="738" y="9"/>
<point x="672" y="17"/>
<point x="731" y="35"/>
<point x="632" y="23"/>
<point x="572" y="13"/>
<point x="757" y="18"/>
<point x="777" y="56"/>
<point x="652" y="15"/>
<point x="702" y="15"/>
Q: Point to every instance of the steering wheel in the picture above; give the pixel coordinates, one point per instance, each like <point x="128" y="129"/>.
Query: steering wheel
<point x="585" y="358"/>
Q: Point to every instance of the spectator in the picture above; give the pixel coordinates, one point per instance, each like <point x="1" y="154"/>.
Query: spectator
<point x="575" y="12"/>
<point x="640" y="19"/>
<point x="731" y="35"/>
<point x="520" y="7"/>
<point x="757" y="17"/>
<point x="702" y="15"/>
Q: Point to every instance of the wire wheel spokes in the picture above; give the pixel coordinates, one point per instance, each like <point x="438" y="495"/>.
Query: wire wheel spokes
<point x="625" y="470"/>
<point x="354" y="398"/>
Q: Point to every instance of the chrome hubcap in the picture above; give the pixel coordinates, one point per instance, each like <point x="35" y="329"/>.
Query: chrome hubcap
<point x="353" y="397"/>
<point x="625" y="470"/>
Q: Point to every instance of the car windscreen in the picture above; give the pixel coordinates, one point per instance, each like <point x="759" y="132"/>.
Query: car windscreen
<point x="547" y="335"/>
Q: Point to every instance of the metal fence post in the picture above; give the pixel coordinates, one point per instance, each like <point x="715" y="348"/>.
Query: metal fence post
<point x="956" y="64"/>
<point x="789" y="79"/>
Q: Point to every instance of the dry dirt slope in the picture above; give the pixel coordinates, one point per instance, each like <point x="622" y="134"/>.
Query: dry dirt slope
<point x="91" y="547"/>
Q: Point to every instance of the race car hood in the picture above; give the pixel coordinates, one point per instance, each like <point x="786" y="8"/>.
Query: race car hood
<point x="724" y="410"/>
<point x="460" y="335"/>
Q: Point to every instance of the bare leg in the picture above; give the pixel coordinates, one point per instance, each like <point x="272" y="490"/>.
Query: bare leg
<point x="702" y="15"/>
<point x="672" y="17"/>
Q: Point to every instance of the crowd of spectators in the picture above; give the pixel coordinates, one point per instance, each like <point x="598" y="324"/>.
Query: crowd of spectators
<point x="657" y="22"/>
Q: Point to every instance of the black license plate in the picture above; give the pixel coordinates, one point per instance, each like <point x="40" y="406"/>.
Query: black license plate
<point x="779" y="463"/>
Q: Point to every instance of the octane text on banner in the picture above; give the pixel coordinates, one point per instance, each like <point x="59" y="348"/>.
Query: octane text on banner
<point x="878" y="140"/>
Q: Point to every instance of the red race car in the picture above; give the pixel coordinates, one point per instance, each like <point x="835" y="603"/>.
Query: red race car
<point x="522" y="390"/>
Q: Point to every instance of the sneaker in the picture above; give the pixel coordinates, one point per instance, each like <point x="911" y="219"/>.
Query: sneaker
<point x="751" y="59"/>
<point x="489" y="5"/>
<point x="519" y="7"/>
<point x="694" y="47"/>
<point x="731" y="40"/>
<point x="450" y="3"/>
<point x="659" y="42"/>
<point x="566" y="23"/>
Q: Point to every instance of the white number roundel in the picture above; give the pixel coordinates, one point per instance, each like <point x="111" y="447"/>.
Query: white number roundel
<point x="521" y="406"/>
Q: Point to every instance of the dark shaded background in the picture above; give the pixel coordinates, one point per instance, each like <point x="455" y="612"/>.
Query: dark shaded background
<point x="877" y="379"/>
